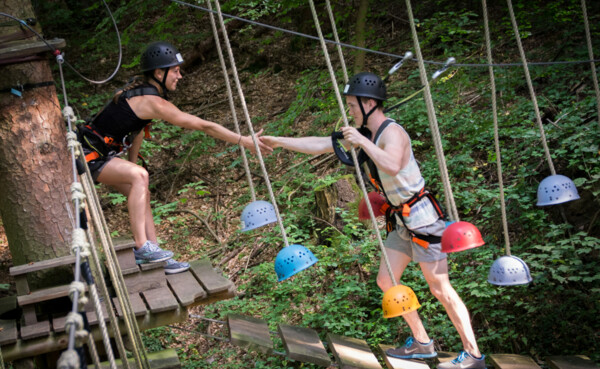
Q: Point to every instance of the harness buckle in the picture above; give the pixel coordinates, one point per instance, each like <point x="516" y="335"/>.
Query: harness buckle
<point x="405" y="210"/>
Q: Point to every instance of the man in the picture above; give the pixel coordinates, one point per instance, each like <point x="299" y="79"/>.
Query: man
<point x="388" y="159"/>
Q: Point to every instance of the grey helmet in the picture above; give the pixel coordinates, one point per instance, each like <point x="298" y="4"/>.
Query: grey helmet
<point x="366" y="84"/>
<point x="160" y="55"/>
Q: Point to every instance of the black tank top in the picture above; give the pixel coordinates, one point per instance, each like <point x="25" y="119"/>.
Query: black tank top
<point x="118" y="120"/>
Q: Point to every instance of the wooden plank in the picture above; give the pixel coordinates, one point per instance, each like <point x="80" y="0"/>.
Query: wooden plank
<point x="126" y="259"/>
<point x="249" y="332"/>
<point x="394" y="363"/>
<point x="36" y="330"/>
<point x="230" y="293"/>
<point x="303" y="344"/>
<point x="122" y="243"/>
<point x="352" y="353"/>
<point x="58" y="323"/>
<point x="137" y="305"/>
<point x="570" y="362"/>
<point x="206" y="275"/>
<point x="44" y="295"/>
<point x="151" y="266"/>
<point x="22" y="285"/>
<point x="166" y="359"/>
<point x="42" y="265"/>
<point x="186" y="288"/>
<point x="26" y="48"/>
<point x="444" y="356"/>
<point x="143" y="281"/>
<point x="511" y="361"/>
<point x="8" y="332"/>
<point x="160" y="299"/>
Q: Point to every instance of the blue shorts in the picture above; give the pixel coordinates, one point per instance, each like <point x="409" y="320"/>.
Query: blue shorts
<point x="400" y="240"/>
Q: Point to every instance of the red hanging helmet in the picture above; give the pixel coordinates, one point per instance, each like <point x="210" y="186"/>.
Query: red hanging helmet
<point x="376" y="200"/>
<point x="460" y="236"/>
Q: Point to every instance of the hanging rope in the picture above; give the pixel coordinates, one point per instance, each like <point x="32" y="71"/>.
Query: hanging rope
<point x="394" y="56"/>
<point x="496" y="133"/>
<point x="249" y="121"/>
<point x="352" y="150"/>
<point x="588" y="39"/>
<point x="231" y="102"/>
<point x="433" y="124"/>
<point x="337" y="40"/>
<point x="538" y="117"/>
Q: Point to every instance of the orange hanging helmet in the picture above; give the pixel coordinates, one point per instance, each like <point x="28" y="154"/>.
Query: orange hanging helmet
<point x="399" y="300"/>
<point x="377" y="201"/>
<point x="460" y="236"/>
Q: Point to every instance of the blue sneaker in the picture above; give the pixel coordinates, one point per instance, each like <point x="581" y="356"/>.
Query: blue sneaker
<point x="151" y="253"/>
<point x="174" y="266"/>
<point x="464" y="361"/>
<point x="413" y="349"/>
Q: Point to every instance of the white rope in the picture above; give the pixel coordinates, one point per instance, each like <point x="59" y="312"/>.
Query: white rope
<point x="352" y="151"/>
<point x="588" y="39"/>
<point x="249" y="121"/>
<point x="337" y="41"/>
<point x="433" y="124"/>
<point x="231" y="102"/>
<point x="538" y="117"/>
<point x="496" y="133"/>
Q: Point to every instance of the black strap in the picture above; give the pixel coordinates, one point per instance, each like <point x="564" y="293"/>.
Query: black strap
<point x="17" y="90"/>
<point x="141" y="91"/>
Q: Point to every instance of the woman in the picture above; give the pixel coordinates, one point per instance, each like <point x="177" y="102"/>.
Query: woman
<point x="119" y="127"/>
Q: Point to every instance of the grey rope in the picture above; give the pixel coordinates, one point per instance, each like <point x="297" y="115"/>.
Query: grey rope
<point x="231" y="102"/>
<point x="394" y="56"/>
<point x="352" y="150"/>
<point x="337" y="40"/>
<point x="530" y="86"/>
<point x="433" y="124"/>
<point x="496" y="133"/>
<point x="249" y="121"/>
<point x="588" y="39"/>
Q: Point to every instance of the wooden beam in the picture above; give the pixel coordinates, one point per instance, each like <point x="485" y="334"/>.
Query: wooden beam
<point x="208" y="277"/>
<point x="166" y="359"/>
<point x="303" y="344"/>
<point x="27" y="48"/>
<point x="42" y="265"/>
<point x="511" y="361"/>
<point x="570" y="362"/>
<point x="253" y="333"/>
<point x="352" y="353"/>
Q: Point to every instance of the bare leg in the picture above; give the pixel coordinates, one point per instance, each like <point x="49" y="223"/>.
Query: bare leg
<point x="436" y="274"/>
<point x="399" y="261"/>
<point x="132" y="180"/>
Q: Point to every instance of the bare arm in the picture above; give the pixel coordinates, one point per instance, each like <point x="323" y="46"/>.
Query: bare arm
<point x="154" y="107"/>
<point x="393" y="153"/>
<point x="307" y="145"/>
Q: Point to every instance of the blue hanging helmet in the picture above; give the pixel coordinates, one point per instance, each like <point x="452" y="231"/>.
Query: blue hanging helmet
<point x="369" y="85"/>
<point x="291" y="260"/>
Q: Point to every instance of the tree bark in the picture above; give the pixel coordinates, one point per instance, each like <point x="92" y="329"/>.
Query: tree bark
<point x="361" y="19"/>
<point x="35" y="169"/>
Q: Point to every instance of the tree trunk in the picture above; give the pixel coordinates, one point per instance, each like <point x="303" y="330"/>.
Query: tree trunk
<point x="35" y="169"/>
<point x="361" y="19"/>
<point x="343" y="194"/>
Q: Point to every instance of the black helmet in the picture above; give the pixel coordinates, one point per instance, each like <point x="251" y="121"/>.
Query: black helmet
<point x="160" y="55"/>
<point x="366" y="84"/>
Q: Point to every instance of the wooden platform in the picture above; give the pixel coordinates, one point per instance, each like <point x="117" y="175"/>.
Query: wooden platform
<point x="157" y="300"/>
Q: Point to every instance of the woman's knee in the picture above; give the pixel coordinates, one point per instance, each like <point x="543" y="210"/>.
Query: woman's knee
<point x="140" y="177"/>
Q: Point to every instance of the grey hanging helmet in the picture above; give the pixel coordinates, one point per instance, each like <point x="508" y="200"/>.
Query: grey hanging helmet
<point x="366" y="84"/>
<point x="160" y="55"/>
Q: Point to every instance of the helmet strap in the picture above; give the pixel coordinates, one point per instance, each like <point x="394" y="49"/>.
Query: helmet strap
<point x="162" y="84"/>
<point x="362" y="110"/>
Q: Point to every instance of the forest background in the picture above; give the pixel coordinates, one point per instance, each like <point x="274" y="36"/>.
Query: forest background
<point x="199" y="188"/>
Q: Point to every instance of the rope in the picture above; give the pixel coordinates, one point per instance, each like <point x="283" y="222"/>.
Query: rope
<point x="496" y="134"/>
<point x="394" y="56"/>
<point x="433" y="124"/>
<point x="231" y="103"/>
<point x="57" y="52"/>
<point x="588" y="39"/>
<point x="337" y="40"/>
<point x="80" y="246"/>
<point x="530" y="86"/>
<point x="352" y="150"/>
<point x="249" y="121"/>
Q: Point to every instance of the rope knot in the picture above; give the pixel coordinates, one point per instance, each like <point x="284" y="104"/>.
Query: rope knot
<point x="79" y="242"/>
<point x="77" y="194"/>
<point x="69" y="114"/>
<point x="68" y="360"/>
<point x="82" y="300"/>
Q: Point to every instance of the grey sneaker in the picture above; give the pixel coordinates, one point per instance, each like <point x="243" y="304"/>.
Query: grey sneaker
<point x="151" y="253"/>
<point x="174" y="266"/>
<point x="413" y="349"/>
<point x="464" y="361"/>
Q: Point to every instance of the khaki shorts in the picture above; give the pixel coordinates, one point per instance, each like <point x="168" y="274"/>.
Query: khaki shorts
<point x="400" y="240"/>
